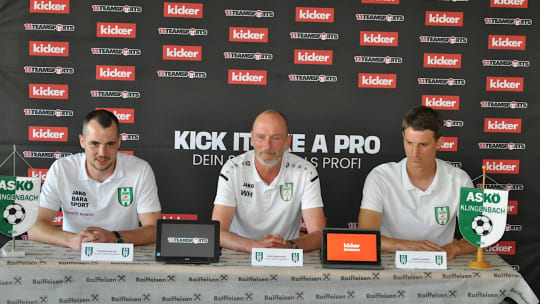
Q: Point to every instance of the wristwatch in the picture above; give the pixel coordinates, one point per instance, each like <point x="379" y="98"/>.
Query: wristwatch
<point x="293" y="244"/>
<point x="118" y="237"/>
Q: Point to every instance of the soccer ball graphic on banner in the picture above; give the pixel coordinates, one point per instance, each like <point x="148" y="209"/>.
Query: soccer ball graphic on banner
<point x="482" y="225"/>
<point x="14" y="214"/>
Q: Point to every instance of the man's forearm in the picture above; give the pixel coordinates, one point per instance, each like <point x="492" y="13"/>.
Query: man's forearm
<point x="235" y="242"/>
<point x="309" y="242"/>
<point x="47" y="233"/>
<point x="141" y="236"/>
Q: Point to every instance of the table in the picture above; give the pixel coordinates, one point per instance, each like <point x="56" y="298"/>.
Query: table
<point x="51" y="274"/>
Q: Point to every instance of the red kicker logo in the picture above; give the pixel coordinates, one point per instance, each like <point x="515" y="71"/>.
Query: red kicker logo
<point x="313" y="57"/>
<point x="47" y="133"/>
<point x="502" y="125"/>
<point x="383" y="81"/>
<point x="447" y="61"/>
<point x="48" y="91"/>
<point x="38" y="173"/>
<point x="116" y="30"/>
<point x="449" y="144"/>
<point x="379" y="38"/>
<point x="123" y="115"/>
<point x="503" y="247"/>
<point x="115" y="72"/>
<point x="183" y="10"/>
<point x="507" y="42"/>
<point x="509" y="3"/>
<point x="513" y="207"/>
<point x="248" y="34"/>
<point x="48" y="48"/>
<point x="182" y="52"/>
<point x="504" y="84"/>
<point x="314" y="14"/>
<point x="441" y="102"/>
<point x="49" y="6"/>
<point x="444" y="18"/>
<point x="249" y="77"/>
<point x="501" y="166"/>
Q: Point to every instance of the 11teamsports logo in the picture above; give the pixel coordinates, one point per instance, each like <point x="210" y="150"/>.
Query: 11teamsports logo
<point x="380" y="17"/>
<point x="181" y="74"/>
<point x="443" y="39"/>
<point x="126" y="9"/>
<point x="49" y="27"/>
<point x="249" y="13"/>
<point x="182" y="31"/>
<point x="48" y="70"/>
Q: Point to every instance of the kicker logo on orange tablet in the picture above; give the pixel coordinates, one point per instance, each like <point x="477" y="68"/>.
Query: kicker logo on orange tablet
<point x="351" y="247"/>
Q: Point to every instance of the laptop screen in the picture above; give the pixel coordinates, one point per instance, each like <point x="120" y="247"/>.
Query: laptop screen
<point x="350" y="248"/>
<point x="187" y="241"/>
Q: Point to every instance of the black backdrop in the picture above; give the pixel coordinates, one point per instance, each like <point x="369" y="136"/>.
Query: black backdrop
<point x="170" y="106"/>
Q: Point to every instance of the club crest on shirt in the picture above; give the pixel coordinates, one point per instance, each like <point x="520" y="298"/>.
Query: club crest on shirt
<point x="442" y="215"/>
<point x="286" y="191"/>
<point x="125" y="196"/>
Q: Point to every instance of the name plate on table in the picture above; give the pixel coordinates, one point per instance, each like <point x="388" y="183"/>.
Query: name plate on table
<point x="111" y="252"/>
<point x="421" y="259"/>
<point x="277" y="257"/>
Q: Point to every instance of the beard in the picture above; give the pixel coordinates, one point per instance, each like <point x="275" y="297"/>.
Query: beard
<point x="269" y="163"/>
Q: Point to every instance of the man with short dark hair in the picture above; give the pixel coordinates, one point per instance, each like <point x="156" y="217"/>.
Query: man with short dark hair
<point x="262" y="195"/>
<point x="415" y="202"/>
<point x="103" y="194"/>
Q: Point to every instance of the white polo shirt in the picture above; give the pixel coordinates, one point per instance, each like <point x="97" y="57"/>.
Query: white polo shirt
<point x="268" y="209"/>
<point x="112" y="205"/>
<point x="409" y="213"/>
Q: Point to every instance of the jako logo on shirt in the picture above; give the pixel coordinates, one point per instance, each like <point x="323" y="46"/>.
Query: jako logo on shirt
<point x="369" y="38"/>
<point x="48" y="48"/>
<point x="501" y="166"/>
<point x="248" y="34"/>
<point x="314" y="14"/>
<point x="449" y="144"/>
<point x="49" y="6"/>
<point x="434" y="18"/>
<point x="502" y="125"/>
<point x="116" y="30"/>
<point x="312" y="57"/>
<point x="449" y="61"/>
<point x="441" y="102"/>
<point x="507" y="42"/>
<point x="182" y="52"/>
<point x="509" y="3"/>
<point x="383" y="81"/>
<point x="509" y="84"/>
<point x="47" y="133"/>
<point x="250" y="77"/>
<point x="48" y="91"/>
<point x="123" y="115"/>
<point x="183" y="10"/>
<point x="115" y="72"/>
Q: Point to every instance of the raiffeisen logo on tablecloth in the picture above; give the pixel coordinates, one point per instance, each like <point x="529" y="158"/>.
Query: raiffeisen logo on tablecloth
<point x="116" y="30"/>
<point x="441" y="102"/>
<point x="434" y="18"/>
<point x="509" y="3"/>
<point x="182" y="52"/>
<point x="248" y="34"/>
<point x="314" y="14"/>
<point x="502" y="125"/>
<point x="48" y="48"/>
<point x="249" y="77"/>
<point x="49" y="6"/>
<point x="182" y="10"/>
<point x="123" y="115"/>
<point x="507" y="42"/>
<point x="47" y="133"/>
<point x="48" y="91"/>
<point x="313" y="57"/>
<point x="447" y="61"/>
<point x="449" y="144"/>
<point x="501" y="166"/>
<point x="370" y="38"/>
<point x="115" y="72"/>
<point x="383" y="81"/>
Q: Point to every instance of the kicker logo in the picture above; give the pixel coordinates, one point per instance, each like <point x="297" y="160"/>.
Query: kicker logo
<point x="508" y="84"/>
<point x="49" y="27"/>
<point x="123" y="115"/>
<point x="183" y="10"/>
<point x="378" y="38"/>
<point x="501" y="166"/>
<point x="509" y="3"/>
<point x="49" y="6"/>
<point x="182" y="52"/>
<point x="502" y="125"/>
<point x="507" y="42"/>
<point x="314" y="14"/>
<point x="47" y="133"/>
<point x="38" y="173"/>
<point x="250" y="77"/>
<point x="48" y="48"/>
<point x="441" y="102"/>
<point x="444" y="18"/>
<point x="448" y="61"/>
<point x="313" y="57"/>
<point x="501" y="146"/>
<point x="449" y="144"/>
<point x="116" y="30"/>
<point x="380" y="1"/>
<point x="115" y="72"/>
<point x="503" y="247"/>
<point x="48" y="91"/>
<point x="513" y="207"/>
<point x="383" y="81"/>
<point x="44" y="112"/>
<point x="248" y="34"/>
<point x="504" y="104"/>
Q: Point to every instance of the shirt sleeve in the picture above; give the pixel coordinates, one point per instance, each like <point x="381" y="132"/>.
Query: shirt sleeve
<point x="372" y="195"/>
<point x="148" y="199"/>
<point x="49" y="197"/>
<point x="225" y="189"/>
<point x="311" y="197"/>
